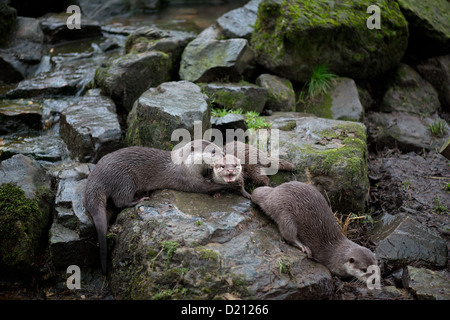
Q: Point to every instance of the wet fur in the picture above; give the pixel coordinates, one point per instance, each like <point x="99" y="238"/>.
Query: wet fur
<point x="252" y="167"/>
<point x="120" y="175"/>
<point x="304" y="218"/>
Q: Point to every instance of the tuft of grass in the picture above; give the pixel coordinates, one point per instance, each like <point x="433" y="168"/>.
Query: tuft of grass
<point x="439" y="208"/>
<point x="321" y="80"/>
<point x="252" y="118"/>
<point x="438" y="128"/>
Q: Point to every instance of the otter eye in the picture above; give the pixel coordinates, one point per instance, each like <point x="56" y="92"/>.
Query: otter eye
<point x="223" y="167"/>
<point x="351" y="260"/>
<point x="214" y="151"/>
<point x="235" y="165"/>
<point x="364" y="270"/>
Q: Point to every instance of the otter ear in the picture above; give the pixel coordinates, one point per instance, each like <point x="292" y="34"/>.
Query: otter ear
<point x="351" y="260"/>
<point x="192" y="147"/>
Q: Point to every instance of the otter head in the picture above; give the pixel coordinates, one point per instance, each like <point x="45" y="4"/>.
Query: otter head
<point x="227" y="170"/>
<point x="197" y="152"/>
<point x="355" y="262"/>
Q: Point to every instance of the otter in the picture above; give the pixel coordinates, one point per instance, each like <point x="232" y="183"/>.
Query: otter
<point x="254" y="161"/>
<point x="120" y="175"/>
<point x="305" y="220"/>
<point x="229" y="170"/>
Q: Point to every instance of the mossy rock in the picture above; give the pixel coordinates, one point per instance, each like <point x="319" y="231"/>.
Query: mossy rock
<point x="291" y="37"/>
<point x="23" y="223"/>
<point x="330" y="154"/>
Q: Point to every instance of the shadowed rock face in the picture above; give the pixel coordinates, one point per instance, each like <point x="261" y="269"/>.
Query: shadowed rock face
<point x="180" y="245"/>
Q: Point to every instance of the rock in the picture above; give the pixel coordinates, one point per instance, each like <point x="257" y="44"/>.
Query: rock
<point x="330" y="153"/>
<point x="341" y="102"/>
<point x="239" y="23"/>
<point x="72" y="237"/>
<point x="159" y="111"/>
<point x="206" y="59"/>
<point x="104" y="10"/>
<point x="124" y="79"/>
<point x="229" y="121"/>
<point x="183" y="246"/>
<point x="407" y="131"/>
<point x="292" y="37"/>
<point x="437" y="72"/>
<point x="90" y="128"/>
<point x="429" y="22"/>
<point x="426" y="284"/>
<point x="55" y="28"/>
<point x="7" y="19"/>
<point x="18" y="115"/>
<point x="233" y="96"/>
<point x="410" y="93"/>
<point x="10" y="69"/>
<point x="402" y="240"/>
<point x="25" y="209"/>
<point x="169" y="41"/>
<point x="281" y="95"/>
<point x="66" y="81"/>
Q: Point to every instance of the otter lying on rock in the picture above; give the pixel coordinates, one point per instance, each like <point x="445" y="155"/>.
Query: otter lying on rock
<point x="306" y="221"/>
<point x="121" y="174"/>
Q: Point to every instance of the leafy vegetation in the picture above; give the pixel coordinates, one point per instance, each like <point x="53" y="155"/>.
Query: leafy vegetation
<point x="252" y="118"/>
<point x="438" y="128"/>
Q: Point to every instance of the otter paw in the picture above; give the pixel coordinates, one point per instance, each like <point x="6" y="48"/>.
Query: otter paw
<point x="217" y="195"/>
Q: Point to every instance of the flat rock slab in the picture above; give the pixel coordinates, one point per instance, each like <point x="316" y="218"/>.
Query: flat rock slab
<point x="181" y="246"/>
<point x="403" y="240"/>
<point x="90" y="128"/>
<point x="426" y="284"/>
<point x="19" y="114"/>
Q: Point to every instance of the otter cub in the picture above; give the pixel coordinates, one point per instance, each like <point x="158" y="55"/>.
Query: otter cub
<point x="229" y="170"/>
<point x="305" y="220"/>
<point x="122" y="174"/>
<point x="254" y="161"/>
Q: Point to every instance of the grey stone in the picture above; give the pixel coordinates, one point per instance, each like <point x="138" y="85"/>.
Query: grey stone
<point x="403" y="240"/>
<point x="90" y="128"/>
<point x="281" y="95"/>
<point x="426" y="284"/>
<point x="239" y="23"/>
<point x="159" y="111"/>
<point x="206" y="59"/>
<point x="233" y="96"/>
<point x="181" y="246"/>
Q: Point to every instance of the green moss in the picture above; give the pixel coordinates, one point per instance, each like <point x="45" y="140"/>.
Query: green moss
<point x="207" y="254"/>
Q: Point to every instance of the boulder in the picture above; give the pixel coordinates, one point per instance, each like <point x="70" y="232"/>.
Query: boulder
<point x="55" y="28"/>
<point x="190" y="246"/>
<point x="408" y="92"/>
<point x="90" y="128"/>
<point x="409" y="132"/>
<point x="229" y="121"/>
<point x="429" y="23"/>
<point x="437" y="72"/>
<point x="159" y="111"/>
<point x="124" y="79"/>
<point x="426" y="284"/>
<point x="26" y="199"/>
<point x="239" y="23"/>
<point x="206" y="59"/>
<point x="291" y="37"/>
<point x="280" y="93"/>
<point x="340" y="102"/>
<point x="233" y="96"/>
<point x="402" y="240"/>
<point x="72" y="238"/>
<point x="329" y="154"/>
<point x="169" y="41"/>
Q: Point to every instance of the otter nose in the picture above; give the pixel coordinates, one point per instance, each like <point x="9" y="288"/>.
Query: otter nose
<point x="230" y="170"/>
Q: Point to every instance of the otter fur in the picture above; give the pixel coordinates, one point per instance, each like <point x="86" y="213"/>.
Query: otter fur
<point x="229" y="170"/>
<point x="120" y="175"/>
<point x="254" y="161"/>
<point x="305" y="220"/>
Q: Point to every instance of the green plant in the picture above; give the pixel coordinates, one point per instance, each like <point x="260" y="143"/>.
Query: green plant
<point x="252" y="118"/>
<point x="439" y="208"/>
<point x="438" y="128"/>
<point x="321" y="80"/>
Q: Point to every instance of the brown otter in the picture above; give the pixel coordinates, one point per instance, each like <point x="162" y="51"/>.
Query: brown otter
<point x="121" y="174"/>
<point x="254" y="161"/>
<point x="229" y="170"/>
<point x="306" y="221"/>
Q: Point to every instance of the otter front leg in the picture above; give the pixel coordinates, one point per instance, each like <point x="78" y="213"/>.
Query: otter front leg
<point x="288" y="229"/>
<point x="303" y="248"/>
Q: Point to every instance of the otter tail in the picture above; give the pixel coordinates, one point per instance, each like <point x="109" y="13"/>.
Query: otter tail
<point x="95" y="203"/>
